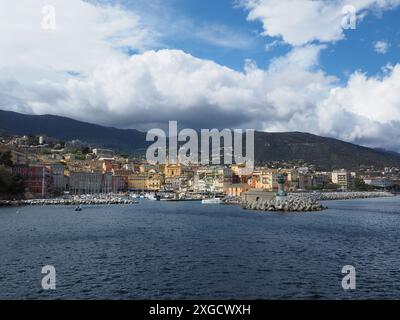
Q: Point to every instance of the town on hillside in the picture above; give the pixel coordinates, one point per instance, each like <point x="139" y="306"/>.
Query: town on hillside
<point x="40" y="167"/>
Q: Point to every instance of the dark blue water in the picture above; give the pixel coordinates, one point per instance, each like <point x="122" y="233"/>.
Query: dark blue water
<point x="190" y="251"/>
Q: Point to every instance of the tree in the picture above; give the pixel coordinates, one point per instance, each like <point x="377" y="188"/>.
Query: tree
<point x="86" y="150"/>
<point x="359" y="184"/>
<point x="10" y="185"/>
<point x="6" y="159"/>
<point x="17" y="186"/>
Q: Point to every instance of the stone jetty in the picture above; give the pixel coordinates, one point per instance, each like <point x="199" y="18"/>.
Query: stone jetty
<point x="68" y="202"/>
<point x="326" y="196"/>
<point x="307" y="202"/>
<point x="288" y="204"/>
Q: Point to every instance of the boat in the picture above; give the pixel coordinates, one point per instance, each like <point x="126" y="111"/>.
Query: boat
<point x="212" y="201"/>
<point x="78" y="208"/>
<point x="153" y="197"/>
<point x="179" y="200"/>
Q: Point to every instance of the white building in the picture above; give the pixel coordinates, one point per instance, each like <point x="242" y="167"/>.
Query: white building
<point x="379" y="182"/>
<point x="342" y="178"/>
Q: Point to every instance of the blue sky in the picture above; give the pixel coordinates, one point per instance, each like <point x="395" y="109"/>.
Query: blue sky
<point x="355" y="52"/>
<point x="271" y="65"/>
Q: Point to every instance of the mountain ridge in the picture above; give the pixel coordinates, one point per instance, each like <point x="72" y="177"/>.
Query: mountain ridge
<point x="326" y="153"/>
<point x="69" y="129"/>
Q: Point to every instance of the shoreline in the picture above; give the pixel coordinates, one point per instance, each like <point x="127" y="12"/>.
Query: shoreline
<point x="65" y="202"/>
<point x="307" y="197"/>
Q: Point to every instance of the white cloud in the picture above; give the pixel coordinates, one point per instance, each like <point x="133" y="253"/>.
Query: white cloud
<point x="292" y="94"/>
<point x="381" y="47"/>
<point x="223" y="36"/>
<point x="299" y="22"/>
<point x="152" y="87"/>
<point x="127" y="91"/>
<point x="304" y="57"/>
<point x="86" y="35"/>
<point x="370" y="106"/>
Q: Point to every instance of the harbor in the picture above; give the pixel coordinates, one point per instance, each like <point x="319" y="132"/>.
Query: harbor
<point x="291" y="202"/>
<point x="151" y="250"/>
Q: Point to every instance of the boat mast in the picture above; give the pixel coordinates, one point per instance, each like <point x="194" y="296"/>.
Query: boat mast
<point x="43" y="183"/>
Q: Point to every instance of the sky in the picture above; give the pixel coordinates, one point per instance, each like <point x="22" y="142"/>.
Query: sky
<point x="271" y="65"/>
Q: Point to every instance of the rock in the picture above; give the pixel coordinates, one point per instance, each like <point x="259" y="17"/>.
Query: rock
<point x="291" y="204"/>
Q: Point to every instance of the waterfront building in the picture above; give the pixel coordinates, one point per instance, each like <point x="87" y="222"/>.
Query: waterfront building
<point x="342" y="178"/>
<point x="179" y="184"/>
<point x="264" y="180"/>
<point x="119" y="184"/>
<point x="122" y="178"/>
<point x="237" y="189"/>
<point x="212" y="179"/>
<point x="59" y="181"/>
<point x="320" y="180"/>
<point x="107" y="183"/>
<point x="305" y="181"/>
<point x="145" y="182"/>
<point x="83" y="182"/>
<point x="254" y="195"/>
<point x="37" y="179"/>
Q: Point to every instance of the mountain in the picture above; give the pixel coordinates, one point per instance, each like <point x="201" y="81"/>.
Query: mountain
<point x="326" y="153"/>
<point x="67" y="129"/>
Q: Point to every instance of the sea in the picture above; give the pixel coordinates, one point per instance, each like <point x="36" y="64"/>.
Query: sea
<point x="187" y="250"/>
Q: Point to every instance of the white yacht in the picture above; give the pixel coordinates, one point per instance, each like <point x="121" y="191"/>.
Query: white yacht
<point x="212" y="201"/>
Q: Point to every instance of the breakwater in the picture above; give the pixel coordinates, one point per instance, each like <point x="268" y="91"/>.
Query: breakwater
<point x="68" y="202"/>
<point x="289" y="204"/>
<point x="307" y="202"/>
<point x="326" y="196"/>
